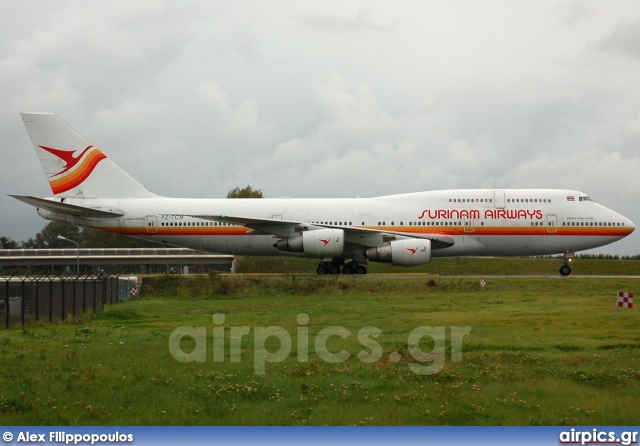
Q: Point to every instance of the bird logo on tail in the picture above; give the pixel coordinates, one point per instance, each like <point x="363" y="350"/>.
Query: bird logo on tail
<point x="76" y="169"/>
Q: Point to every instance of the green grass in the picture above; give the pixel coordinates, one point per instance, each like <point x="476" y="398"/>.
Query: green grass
<point x="540" y="351"/>
<point x="455" y="266"/>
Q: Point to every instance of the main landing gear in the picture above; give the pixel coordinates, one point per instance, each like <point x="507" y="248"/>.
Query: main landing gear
<point x="354" y="268"/>
<point x="335" y="267"/>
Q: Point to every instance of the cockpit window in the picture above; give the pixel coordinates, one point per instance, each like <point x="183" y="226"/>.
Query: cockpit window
<point x="585" y="199"/>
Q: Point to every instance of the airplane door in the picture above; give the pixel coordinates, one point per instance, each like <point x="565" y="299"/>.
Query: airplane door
<point x="552" y="224"/>
<point x="468" y="225"/>
<point x="499" y="201"/>
<point x="365" y="219"/>
<point x="152" y="224"/>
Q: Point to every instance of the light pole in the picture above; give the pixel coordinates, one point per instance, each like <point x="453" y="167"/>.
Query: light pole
<point x="59" y="237"/>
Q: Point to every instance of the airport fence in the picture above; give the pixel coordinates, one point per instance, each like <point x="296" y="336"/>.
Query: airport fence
<point x="25" y="299"/>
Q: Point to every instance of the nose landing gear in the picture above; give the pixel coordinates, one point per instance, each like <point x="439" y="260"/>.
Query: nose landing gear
<point x="565" y="269"/>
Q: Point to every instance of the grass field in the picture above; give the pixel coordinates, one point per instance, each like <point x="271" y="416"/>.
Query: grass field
<point x="539" y="351"/>
<point x="455" y="266"/>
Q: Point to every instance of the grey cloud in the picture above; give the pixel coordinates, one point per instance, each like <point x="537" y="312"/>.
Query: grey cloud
<point x="572" y="12"/>
<point x="625" y="38"/>
<point x="362" y="21"/>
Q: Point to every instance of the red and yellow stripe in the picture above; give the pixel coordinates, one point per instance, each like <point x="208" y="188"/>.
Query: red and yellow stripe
<point x="178" y="231"/>
<point x="78" y="175"/>
<point x="582" y="231"/>
<point x="600" y="231"/>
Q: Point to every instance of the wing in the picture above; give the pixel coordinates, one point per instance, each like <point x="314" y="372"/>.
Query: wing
<point x="65" y="208"/>
<point x="357" y="235"/>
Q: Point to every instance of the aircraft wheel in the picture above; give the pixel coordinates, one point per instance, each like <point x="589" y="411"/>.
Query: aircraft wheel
<point x="565" y="270"/>
<point x="321" y="270"/>
<point x="361" y="269"/>
<point x="334" y="269"/>
<point x="347" y="269"/>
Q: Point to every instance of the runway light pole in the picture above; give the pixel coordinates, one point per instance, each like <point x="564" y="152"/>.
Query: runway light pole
<point x="60" y="237"/>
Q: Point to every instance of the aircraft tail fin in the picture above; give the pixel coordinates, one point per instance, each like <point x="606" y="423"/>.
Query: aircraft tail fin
<point x="73" y="166"/>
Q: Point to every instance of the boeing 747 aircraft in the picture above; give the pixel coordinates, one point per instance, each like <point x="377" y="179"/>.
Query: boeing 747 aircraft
<point x="91" y="191"/>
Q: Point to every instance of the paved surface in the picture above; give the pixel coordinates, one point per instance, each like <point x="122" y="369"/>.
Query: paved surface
<point x="556" y="276"/>
<point x="433" y="276"/>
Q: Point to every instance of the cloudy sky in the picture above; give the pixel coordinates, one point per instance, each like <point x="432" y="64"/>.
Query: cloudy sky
<point x="332" y="98"/>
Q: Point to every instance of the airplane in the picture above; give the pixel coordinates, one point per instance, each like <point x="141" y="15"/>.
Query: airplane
<point x="90" y="190"/>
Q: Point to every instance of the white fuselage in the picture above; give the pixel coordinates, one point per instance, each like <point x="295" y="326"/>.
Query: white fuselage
<point x="482" y="222"/>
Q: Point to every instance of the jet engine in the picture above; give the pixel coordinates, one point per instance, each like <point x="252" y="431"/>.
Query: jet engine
<point x="407" y="252"/>
<point x="315" y="243"/>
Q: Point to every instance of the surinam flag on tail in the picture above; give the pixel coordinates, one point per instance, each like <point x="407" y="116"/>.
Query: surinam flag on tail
<point x="625" y="300"/>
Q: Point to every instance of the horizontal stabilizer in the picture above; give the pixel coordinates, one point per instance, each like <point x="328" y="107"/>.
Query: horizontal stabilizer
<point x="64" y="208"/>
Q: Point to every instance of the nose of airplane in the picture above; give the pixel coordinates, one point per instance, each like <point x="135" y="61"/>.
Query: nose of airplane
<point x="629" y="224"/>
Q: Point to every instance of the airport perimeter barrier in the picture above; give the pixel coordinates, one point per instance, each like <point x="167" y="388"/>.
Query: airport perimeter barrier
<point x="49" y="299"/>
